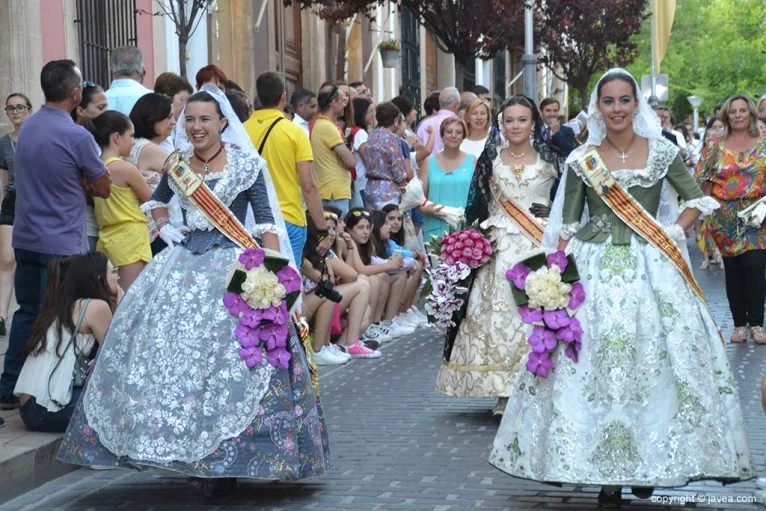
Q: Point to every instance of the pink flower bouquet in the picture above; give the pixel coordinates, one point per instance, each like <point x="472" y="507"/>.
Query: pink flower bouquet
<point x="261" y="290"/>
<point x="460" y="254"/>
<point x="547" y="292"/>
<point x="468" y="246"/>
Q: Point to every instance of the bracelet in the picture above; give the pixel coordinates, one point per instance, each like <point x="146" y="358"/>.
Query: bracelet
<point x="161" y="222"/>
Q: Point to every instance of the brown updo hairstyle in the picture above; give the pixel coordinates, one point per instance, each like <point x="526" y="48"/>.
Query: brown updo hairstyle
<point x="453" y="120"/>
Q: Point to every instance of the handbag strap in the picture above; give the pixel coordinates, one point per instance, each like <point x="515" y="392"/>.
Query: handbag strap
<point x="268" y="132"/>
<point x="70" y="343"/>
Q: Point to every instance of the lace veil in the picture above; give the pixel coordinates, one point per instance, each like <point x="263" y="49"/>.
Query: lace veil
<point x="646" y="124"/>
<point x="236" y="135"/>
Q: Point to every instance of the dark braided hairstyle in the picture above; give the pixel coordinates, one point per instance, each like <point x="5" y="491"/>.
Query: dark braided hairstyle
<point x="480" y="194"/>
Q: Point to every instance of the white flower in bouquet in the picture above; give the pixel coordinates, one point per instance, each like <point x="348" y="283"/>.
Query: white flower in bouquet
<point x="545" y="289"/>
<point x="262" y="289"/>
<point x="414" y="197"/>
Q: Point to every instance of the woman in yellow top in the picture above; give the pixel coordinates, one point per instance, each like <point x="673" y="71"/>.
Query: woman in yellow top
<point x="123" y="234"/>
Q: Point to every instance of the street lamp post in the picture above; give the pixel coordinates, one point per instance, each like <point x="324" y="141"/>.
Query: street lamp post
<point x="529" y="60"/>
<point x="695" y="102"/>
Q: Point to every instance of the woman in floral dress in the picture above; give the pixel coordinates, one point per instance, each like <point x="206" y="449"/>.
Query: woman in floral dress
<point x="169" y="388"/>
<point x="736" y="167"/>
<point x="651" y="400"/>
<point x="490" y="345"/>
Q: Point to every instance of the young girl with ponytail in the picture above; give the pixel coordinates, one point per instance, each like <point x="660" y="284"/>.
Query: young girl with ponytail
<point x="123" y="234"/>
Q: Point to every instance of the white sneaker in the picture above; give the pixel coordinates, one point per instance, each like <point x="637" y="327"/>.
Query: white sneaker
<point x="396" y="329"/>
<point x="409" y="318"/>
<point x="376" y="332"/>
<point x="406" y="324"/>
<point x="336" y="350"/>
<point x="326" y="357"/>
<point x="421" y="317"/>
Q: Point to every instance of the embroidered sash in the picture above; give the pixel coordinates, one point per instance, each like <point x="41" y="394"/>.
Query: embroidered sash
<point x="632" y="213"/>
<point x="525" y="222"/>
<point x="216" y="212"/>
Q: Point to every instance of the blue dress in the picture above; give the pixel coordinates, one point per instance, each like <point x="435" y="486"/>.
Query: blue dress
<point x="169" y="389"/>
<point x="447" y="189"/>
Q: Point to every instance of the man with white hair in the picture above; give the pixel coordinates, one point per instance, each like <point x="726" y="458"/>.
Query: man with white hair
<point x="127" y="74"/>
<point x="449" y="104"/>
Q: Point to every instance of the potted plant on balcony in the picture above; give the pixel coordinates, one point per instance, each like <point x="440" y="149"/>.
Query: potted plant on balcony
<point x="389" y="52"/>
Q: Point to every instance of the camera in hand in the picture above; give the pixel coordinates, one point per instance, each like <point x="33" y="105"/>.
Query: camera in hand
<point x="326" y="289"/>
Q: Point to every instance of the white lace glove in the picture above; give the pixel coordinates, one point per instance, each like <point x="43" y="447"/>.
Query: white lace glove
<point x="676" y="233"/>
<point x="172" y="236"/>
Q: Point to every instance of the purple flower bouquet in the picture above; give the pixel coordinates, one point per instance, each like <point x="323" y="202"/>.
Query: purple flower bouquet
<point x="547" y="292"/>
<point x="261" y="290"/>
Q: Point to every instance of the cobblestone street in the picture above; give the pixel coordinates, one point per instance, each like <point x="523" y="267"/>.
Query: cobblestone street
<point x="397" y="444"/>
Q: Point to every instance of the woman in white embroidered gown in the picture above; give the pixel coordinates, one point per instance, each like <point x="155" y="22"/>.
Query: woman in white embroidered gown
<point x="169" y="388"/>
<point x="487" y="350"/>
<point x="651" y="401"/>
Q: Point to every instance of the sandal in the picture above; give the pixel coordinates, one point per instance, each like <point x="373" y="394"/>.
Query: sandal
<point x="758" y="334"/>
<point x="739" y="335"/>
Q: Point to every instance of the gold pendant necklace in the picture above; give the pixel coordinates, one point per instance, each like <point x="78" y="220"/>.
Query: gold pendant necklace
<point x="517" y="169"/>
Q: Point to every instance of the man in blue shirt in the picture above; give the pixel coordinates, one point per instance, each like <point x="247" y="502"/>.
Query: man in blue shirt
<point x="56" y="161"/>
<point x="128" y="73"/>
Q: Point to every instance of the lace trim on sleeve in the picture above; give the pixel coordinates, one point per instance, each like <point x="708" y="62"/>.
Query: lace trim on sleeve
<point x="705" y="204"/>
<point x="569" y="230"/>
<point x="259" y="229"/>
<point x="148" y="206"/>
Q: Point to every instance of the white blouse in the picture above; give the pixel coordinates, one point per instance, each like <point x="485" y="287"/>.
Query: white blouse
<point x="35" y="378"/>
<point x="474" y="147"/>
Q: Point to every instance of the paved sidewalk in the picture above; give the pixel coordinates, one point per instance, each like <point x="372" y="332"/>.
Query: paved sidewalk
<point x="397" y="444"/>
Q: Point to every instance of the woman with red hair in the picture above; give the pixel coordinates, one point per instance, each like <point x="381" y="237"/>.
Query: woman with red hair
<point x="211" y="74"/>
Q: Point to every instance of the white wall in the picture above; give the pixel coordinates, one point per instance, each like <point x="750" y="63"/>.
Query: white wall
<point x="196" y="49"/>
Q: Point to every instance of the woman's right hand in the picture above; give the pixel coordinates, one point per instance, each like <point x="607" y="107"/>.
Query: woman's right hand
<point x="396" y="261"/>
<point x="431" y="209"/>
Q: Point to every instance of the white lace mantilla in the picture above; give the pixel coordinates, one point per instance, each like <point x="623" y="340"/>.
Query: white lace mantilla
<point x="240" y="173"/>
<point x="661" y="154"/>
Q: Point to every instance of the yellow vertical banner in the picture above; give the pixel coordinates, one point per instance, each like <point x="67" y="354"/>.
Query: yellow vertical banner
<point x="663" y="12"/>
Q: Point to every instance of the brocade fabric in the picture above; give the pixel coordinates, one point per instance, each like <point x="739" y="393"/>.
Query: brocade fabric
<point x="651" y="401"/>
<point x="491" y="344"/>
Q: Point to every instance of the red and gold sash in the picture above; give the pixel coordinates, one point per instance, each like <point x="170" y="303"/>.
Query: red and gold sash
<point x="216" y="212"/>
<point x="526" y="224"/>
<point x="633" y="214"/>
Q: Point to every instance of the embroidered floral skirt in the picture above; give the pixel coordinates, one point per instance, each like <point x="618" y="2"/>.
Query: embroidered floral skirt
<point x="651" y="401"/>
<point x="169" y="389"/>
<point x="491" y="344"/>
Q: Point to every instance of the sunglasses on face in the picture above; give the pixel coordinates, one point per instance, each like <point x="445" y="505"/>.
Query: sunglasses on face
<point x="359" y="213"/>
<point x="12" y="109"/>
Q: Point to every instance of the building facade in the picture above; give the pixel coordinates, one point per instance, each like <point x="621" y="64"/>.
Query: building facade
<point x="245" y="38"/>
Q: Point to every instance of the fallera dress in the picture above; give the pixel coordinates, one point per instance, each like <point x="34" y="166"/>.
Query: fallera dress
<point x="651" y="401"/>
<point x="491" y="343"/>
<point x="169" y="389"/>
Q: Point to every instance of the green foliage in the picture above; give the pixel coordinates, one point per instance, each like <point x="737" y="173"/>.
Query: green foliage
<point x="717" y="48"/>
